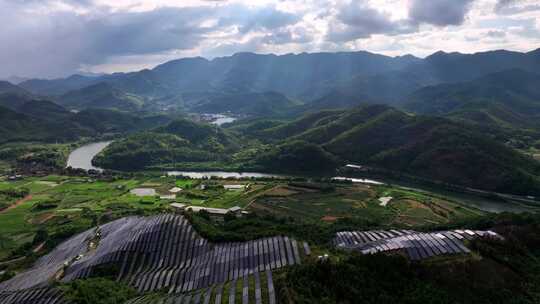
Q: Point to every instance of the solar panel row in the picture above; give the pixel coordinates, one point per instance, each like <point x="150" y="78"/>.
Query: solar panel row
<point x="217" y="292"/>
<point x="33" y="296"/>
<point x="416" y="245"/>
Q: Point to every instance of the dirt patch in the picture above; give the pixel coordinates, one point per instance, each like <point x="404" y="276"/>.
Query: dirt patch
<point x="280" y="191"/>
<point x="329" y="218"/>
<point x="359" y="205"/>
<point x="302" y="189"/>
<point x="17" y="203"/>
<point x="41" y="219"/>
<point x="414" y="204"/>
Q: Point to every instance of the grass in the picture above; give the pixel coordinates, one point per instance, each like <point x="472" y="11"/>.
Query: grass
<point x="407" y="208"/>
<point x="15" y="220"/>
<point x="74" y="198"/>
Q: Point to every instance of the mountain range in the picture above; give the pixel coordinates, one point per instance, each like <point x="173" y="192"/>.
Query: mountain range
<point x="361" y="77"/>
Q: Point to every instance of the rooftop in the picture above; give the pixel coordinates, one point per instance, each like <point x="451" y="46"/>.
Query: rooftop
<point x="178" y="205"/>
<point x="175" y="190"/>
<point x="209" y="210"/>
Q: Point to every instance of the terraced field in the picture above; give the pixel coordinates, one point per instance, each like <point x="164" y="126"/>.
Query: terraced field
<point x="406" y="207"/>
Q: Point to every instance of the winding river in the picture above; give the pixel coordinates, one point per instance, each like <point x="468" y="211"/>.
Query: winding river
<point x="81" y="158"/>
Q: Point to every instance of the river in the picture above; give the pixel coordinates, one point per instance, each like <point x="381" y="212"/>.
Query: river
<point x="223" y="174"/>
<point x="81" y="158"/>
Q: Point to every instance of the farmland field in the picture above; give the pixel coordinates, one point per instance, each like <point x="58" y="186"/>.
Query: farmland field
<point x="59" y="203"/>
<point x="361" y="202"/>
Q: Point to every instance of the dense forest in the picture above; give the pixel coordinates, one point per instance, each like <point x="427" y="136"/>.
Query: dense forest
<point x="378" y="136"/>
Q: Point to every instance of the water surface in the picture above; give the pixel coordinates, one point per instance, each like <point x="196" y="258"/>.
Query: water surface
<point x="222" y="174"/>
<point x="81" y="158"/>
<point x="218" y="119"/>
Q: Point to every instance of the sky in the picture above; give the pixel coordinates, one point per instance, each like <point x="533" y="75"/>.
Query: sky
<point x="56" y="38"/>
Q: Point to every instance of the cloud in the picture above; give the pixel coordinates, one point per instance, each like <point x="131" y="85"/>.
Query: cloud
<point x="512" y="7"/>
<point x="356" y="20"/>
<point x="70" y="40"/>
<point x="50" y="38"/>
<point x="439" y="12"/>
<point x="496" y="34"/>
<point x="266" y="19"/>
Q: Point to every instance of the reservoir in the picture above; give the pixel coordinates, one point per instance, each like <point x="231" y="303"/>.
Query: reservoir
<point x="81" y="158"/>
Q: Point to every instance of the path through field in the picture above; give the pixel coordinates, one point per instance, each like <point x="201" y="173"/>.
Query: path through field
<point x="17" y="203"/>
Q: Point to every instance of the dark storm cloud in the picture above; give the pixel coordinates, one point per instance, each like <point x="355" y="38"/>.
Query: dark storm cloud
<point x="357" y="20"/>
<point x="68" y="40"/>
<point x="439" y="12"/>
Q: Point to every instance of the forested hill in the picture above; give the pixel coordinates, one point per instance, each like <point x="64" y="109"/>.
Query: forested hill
<point x="181" y="141"/>
<point x="378" y="136"/>
<point x="516" y="90"/>
<point x="16" y="126"/>
<point x="434" y="148"/>
<point x="28" y="119"/>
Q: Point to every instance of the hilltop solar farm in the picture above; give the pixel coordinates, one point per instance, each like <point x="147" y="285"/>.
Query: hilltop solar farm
<point x="175" y="240"/>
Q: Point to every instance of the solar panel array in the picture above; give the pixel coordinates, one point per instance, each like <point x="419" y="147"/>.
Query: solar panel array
<point x="33" y="296"/>
<point x="49" y="265"/>
<point x="417" y="245"/>
<point x="161" y="252"/>
<point x="215" y="294"/>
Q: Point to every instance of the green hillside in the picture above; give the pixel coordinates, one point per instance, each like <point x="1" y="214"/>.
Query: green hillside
<point x="254" y="104"/>
<point x="45" y="121"/>
<point x="508" y="99"/>
<point x="429" y="147"/>
<point x="181" y="141"/>
<point x="112" y="121"/>
<point x="101" y="95"/>
<point x="378" y="136"/>
<point x="20" y="127"/>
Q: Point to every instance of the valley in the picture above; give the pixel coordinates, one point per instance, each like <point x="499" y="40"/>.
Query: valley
<point x="266" y="178"/>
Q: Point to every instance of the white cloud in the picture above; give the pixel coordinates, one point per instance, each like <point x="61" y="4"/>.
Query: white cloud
<point x="52" y="38"/>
